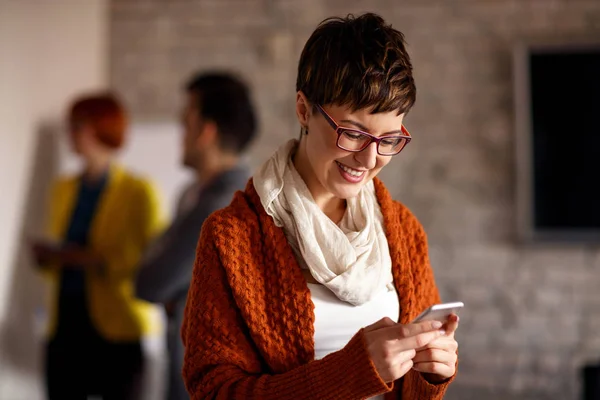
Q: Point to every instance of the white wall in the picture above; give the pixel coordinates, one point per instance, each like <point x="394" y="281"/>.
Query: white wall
<point x="49" y="51"/>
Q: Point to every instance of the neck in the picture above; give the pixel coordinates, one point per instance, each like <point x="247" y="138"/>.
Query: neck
<point x="332" y="206"/>
<point x="215" y="166"/>
<point x="96" y="166"/>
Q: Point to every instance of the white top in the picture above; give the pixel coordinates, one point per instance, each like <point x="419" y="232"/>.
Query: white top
<point x="351" y="258"/>
<point x="337" y="321"/>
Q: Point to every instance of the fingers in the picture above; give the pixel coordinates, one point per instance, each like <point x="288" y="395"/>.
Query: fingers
<point x="452" y="324"/>
<point x="395" y="357"/>
<point x="439" y="362"/>
<point x="411" y="336"/>
<point x="382" y="323"/>
<point x="399" y="331"/>
<point x="402" y="369"/>
<point x="442" y="343"/>
<point x="418" y="341"/>
<point x="396" y="348"/>
<point x="420" y="327"/>
<point x="435" y="355"/>
<point x="396" y="372"/>
<point x="440" y="369"/>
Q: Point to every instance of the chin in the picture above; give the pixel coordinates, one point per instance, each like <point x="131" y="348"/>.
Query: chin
<point x="346" y="191"/>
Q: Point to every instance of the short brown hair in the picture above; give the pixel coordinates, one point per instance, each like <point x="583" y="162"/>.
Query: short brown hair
<point x="360" y="62"/>
<point x="105" y="113"/>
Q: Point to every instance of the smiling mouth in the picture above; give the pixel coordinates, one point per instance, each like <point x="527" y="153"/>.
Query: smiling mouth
<point x="350" y="171"/>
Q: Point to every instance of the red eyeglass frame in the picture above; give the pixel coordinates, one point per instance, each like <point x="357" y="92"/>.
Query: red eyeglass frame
<point x="339" y="130"/>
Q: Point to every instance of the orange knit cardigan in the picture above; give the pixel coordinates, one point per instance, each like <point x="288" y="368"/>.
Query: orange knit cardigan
<point x="249" y="321"/>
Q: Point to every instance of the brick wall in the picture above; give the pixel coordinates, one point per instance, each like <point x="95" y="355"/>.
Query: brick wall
<point x="533" y="313"/>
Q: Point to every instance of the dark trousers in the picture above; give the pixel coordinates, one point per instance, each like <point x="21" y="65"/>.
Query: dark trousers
<point x="81" y="363"/>
<point x="176" y="387"/>
<point x="94" y="367"/>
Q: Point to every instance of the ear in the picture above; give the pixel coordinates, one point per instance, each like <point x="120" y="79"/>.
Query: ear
<point x="303" y="109"/>
<point x="208" y="136"/>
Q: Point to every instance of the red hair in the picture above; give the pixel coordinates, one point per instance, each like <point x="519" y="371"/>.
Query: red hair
<point x="106" y="116"/>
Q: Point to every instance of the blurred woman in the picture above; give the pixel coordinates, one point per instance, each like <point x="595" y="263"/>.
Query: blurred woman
<point x="100" y="222"/>
<point x="306" y="285"/>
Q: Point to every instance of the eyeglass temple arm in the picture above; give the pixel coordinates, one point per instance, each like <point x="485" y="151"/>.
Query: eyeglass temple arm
<point x="329" y="120"/>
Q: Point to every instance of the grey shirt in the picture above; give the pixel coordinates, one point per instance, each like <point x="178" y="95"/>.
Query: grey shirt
<point x="166" y="270"/>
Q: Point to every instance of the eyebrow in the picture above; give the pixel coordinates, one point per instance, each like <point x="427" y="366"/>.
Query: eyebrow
<point x="364" y="128"/>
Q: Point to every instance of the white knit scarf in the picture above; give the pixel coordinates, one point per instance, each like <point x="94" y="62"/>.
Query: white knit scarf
<point x="351" y="259"/>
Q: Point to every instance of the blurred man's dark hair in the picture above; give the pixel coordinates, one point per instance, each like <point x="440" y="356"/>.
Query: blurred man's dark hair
<point x="225" y="99"/>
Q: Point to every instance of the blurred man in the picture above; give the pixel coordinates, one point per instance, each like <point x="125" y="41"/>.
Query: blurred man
<point x="219" y="123"/>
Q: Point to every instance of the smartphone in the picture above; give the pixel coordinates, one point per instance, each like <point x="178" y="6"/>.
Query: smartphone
<point x="439" y="312"/>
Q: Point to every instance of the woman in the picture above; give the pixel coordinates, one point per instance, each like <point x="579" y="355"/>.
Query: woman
<point x="315" y="249"/>
<point x="100" y="221"/>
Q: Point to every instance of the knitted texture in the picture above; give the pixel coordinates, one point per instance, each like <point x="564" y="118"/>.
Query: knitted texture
<point x="249" y="319"/>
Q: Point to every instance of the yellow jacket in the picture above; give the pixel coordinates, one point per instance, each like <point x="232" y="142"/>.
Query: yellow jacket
<point x="128" y="217"/>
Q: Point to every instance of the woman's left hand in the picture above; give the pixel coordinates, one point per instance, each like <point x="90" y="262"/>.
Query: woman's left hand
<point x="79" y="256"/>
<point x="44" y="253"/>
<point x="437" y="360"/>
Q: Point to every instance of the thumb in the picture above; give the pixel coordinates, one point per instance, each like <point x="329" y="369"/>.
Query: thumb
<point x="452" y="325"/>
<point x="384" y="322"/>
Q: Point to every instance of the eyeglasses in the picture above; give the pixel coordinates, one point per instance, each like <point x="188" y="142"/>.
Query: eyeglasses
<point x="355" y="140"/>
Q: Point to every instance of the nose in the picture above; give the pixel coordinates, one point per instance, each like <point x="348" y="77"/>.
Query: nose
<point x="368" y="157"/>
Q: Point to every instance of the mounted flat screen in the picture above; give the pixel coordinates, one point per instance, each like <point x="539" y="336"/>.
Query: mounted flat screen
<point x="557" y="98"/>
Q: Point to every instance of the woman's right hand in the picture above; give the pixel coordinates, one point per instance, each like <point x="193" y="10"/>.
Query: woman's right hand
<point x="392" y="346"/>
<point x="44" y="253"/>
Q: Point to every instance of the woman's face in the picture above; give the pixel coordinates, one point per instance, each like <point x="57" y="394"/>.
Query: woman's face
<point x="83" y="139"/>
<point x="332" y="171"/>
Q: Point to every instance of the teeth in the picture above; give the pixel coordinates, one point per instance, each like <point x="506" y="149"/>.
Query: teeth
<point x="350" y="171"/>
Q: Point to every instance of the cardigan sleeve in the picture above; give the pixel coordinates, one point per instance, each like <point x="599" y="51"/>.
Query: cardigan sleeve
<point x="50" y="227"/>
<point x="222" y="362"/>
<point x="146" y="222"/>
<point x="415" y="386"/>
